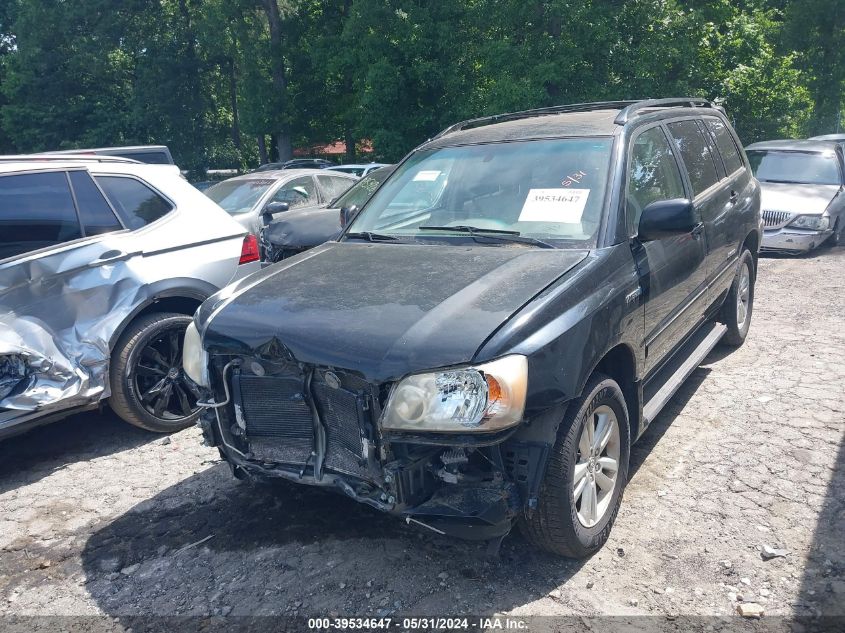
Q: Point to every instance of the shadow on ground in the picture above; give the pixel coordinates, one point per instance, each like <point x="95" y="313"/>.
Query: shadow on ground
<point x="823" y="581"/>
<point x="292" y="549"/>
<point x="35" y="454"/>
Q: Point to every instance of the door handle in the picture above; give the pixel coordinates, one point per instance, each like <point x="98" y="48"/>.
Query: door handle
<point x="697" y="230"/>
<point x="734" y="197"/>
<point x="111" y="256"/>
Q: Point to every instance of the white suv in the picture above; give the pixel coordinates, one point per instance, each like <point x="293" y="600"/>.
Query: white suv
<point x="102" y="263"/>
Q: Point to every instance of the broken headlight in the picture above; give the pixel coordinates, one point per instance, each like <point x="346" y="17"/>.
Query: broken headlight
<point x="194" y="357"/>
<point x="489" y="397"/>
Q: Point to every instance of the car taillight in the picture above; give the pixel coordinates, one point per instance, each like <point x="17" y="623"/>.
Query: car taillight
<point x="249" y="251"/>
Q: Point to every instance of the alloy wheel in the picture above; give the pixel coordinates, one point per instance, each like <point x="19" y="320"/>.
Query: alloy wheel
<point x="595" y="475"/>
<point x="743" y="296"/>
<point x="160" y="382"/>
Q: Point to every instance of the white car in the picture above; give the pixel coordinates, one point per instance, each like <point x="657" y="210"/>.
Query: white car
<point x="102" y="263"/>
<point x="249" y="197"/>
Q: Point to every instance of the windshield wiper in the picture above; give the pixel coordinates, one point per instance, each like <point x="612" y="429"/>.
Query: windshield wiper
<point x="372" y="237"/>
<point x="495" y="234"/>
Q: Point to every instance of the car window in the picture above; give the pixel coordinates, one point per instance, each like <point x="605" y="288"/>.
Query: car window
<point x="652" y="175"/>
<point x="239" y="196"/>
<point x="36" y="211"/>
<point x="362" y="190"/>
<point x="725" y="144"/>
<point x="299" y="192"/>
<point x="334" y="186"/>
<point x="550" y="189"/>
<point x="696" y="154"/>
<point x="136" y="203"/>
<point x="95" y="213"/>
<point x="810" y="168"/>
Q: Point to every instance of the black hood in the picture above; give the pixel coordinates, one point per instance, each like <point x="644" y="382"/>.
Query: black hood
<point x="384" y="310"/>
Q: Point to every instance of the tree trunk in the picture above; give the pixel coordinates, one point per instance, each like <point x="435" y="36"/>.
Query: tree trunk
<point x="349" y="138"/>
<point x="277" y="73"/>
<point x="262" y="149"/>
<point x="233" y="98"/>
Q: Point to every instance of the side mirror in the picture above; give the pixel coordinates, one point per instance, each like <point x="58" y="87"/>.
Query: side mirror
<point x="667" y="218"/>
<point x="272" y="209"/>
<point x="347" y="214"/>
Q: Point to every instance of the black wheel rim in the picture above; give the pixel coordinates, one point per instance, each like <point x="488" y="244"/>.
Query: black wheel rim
<point x="160" y="383"/>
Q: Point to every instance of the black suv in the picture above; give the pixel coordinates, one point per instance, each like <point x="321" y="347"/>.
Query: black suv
<point x="503" y="318"/>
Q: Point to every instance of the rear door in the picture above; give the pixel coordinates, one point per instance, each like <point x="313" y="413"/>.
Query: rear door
<point x="727" y="219"/>
<point x="671" y="270"/>
<point x="60" y="283"/>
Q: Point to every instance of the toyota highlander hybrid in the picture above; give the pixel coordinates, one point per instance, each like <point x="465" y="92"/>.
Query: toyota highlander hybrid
<point x="500" y="322"/>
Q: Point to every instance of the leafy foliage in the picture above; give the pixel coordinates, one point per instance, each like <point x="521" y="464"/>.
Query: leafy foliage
<point x="225" y="83"/>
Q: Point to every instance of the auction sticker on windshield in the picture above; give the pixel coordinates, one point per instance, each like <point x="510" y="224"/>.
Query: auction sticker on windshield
<point x="427" y="176"/>
<point x="554" y="205"/>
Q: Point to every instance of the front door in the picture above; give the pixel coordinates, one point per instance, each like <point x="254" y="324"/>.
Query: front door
<point x="672" y="272"/>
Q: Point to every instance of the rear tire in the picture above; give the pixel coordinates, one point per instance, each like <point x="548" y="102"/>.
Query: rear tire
<point x="739" y="304"/>
<point x="558" y="523"/>
<point x="148" y="387"/>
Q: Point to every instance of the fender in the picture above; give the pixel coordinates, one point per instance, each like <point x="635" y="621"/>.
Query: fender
<point x="176" y="287"/>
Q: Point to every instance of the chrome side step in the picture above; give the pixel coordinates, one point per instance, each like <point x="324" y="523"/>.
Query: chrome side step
<point x="702" y="344"/>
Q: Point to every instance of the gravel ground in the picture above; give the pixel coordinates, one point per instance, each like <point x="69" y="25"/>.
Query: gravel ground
<point x="99" y="518"/>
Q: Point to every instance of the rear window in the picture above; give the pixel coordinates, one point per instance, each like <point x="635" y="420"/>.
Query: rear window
<point x="36" y="211"/>
<point x="809" y="168"/>
<point x="725" y="144"/>
<point x="136" y="203"/>
<point x="696" y="154"/>
<point x="95" y="213"/>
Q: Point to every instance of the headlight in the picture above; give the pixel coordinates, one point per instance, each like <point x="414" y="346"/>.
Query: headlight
<point x="489" y="397"/>
<point x="194" y="357"/>
<point x="814" y="222"/>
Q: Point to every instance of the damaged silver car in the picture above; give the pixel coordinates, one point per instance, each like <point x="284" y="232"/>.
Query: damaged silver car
<point x="802" y="184"/>
<point x="102" y="262"/>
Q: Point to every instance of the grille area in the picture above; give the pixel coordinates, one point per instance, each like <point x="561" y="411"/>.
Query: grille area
<point x="278" y="419"/>
<point x="280" y="427"/>
<point x="776" y="218"/>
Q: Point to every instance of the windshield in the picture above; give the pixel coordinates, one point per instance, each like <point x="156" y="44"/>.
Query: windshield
<point x="239" y="196"/>
<point x="811" y="168"/>
<point x="362" y="190"/>
<point x="550" y="190"/>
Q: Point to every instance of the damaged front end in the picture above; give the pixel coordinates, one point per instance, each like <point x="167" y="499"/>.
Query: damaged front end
<point x="276" y="418"/>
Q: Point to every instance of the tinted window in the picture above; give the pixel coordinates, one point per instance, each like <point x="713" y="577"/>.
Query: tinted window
<point x="653" y="174"/>
<point x="696" y="154"/>
<point x="334" y="186"/>
<point x="36" y="211"/>
<point x="95" y="213"/>
<point x="726" y="145"/>
<point x="812" y="168"/>
<point x="298" y="192"/>
<point x="135" y="202"/>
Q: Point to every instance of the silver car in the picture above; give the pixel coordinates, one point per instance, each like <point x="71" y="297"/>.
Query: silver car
<point x="248" y="197"/>
<point x="802" y="186"/>
<point x="102" y="263"/>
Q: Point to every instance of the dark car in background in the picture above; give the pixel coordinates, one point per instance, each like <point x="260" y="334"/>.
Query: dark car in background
<point x="802" y="185"/>
<point x="300" y="229"/>
<point x="507" y="314"/>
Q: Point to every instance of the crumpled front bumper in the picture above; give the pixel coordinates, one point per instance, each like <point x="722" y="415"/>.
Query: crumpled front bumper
<point x="470" y="487"/>
<point x="792" y="240"/>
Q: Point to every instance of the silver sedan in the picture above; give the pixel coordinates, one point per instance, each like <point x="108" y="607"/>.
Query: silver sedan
<point x="802" y="193"/>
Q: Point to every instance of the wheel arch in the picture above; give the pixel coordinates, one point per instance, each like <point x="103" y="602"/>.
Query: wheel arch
<point x="180" y="295"/>
<point x="620" y="364"/>
<point x="752" y="243"/>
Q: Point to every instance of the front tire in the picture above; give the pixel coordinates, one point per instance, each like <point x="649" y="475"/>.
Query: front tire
<point x="585" y="476"/>
<point x="149" y="389"/>
<point x="739" y="304"/>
